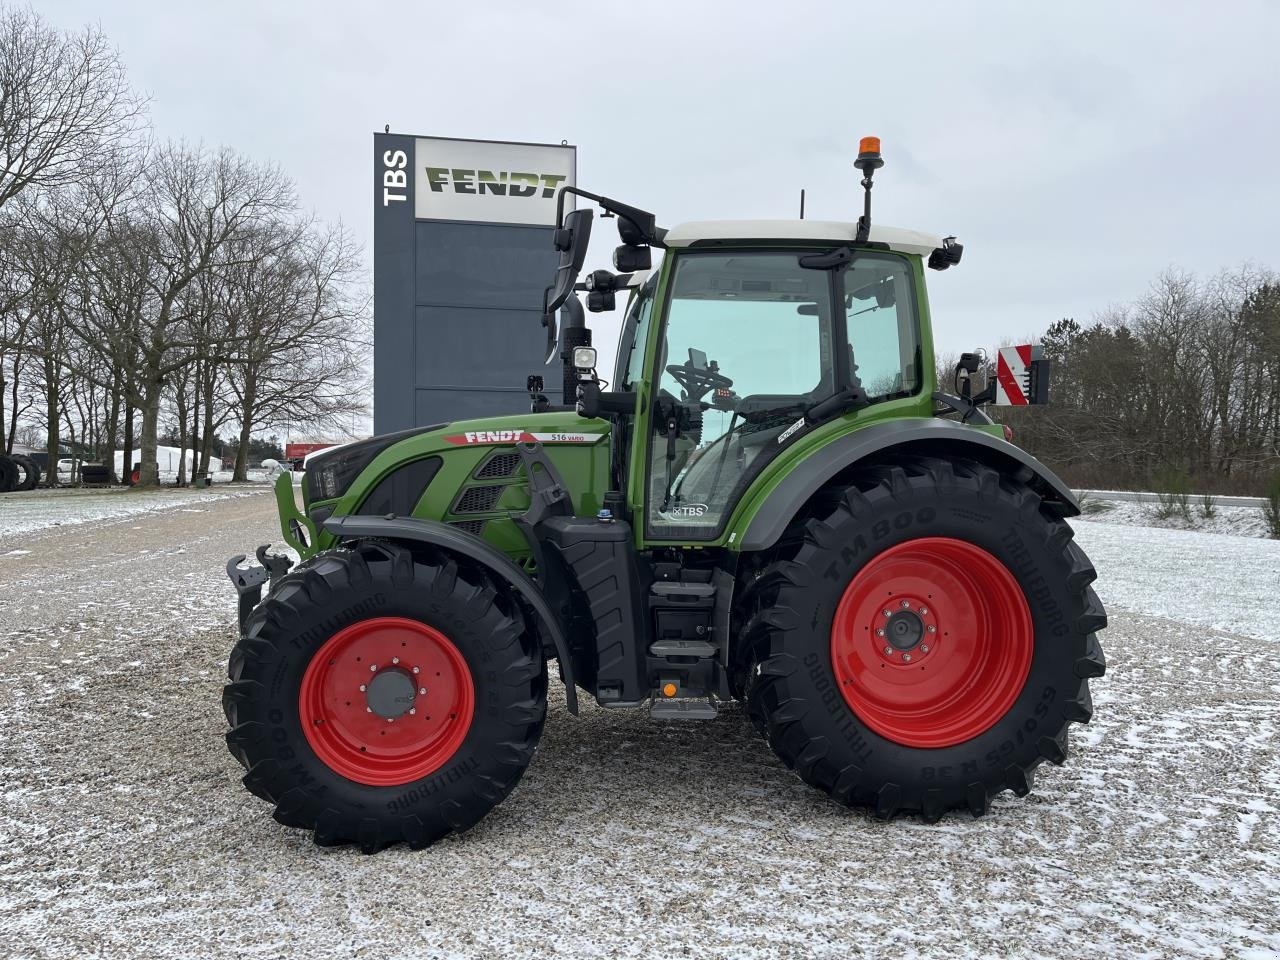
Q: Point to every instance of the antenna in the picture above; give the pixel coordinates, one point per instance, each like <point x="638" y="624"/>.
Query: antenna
<point x="802" y="203"/>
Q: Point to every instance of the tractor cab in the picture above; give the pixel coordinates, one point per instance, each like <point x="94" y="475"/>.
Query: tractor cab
<point x="749" y="337"/>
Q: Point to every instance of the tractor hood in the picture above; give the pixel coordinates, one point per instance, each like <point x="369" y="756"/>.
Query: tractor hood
<point x="467" y="474"/>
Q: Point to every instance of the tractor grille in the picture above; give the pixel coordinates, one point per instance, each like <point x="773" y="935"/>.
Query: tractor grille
<point x="499" y="464"/>
<point x="473" y="527"/>
<point x="478" y="499"/>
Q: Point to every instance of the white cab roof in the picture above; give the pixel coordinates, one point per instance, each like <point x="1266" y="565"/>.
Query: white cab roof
<point x="904" y="241"/>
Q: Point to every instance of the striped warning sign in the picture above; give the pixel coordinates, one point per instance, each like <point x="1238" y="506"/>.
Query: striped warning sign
<point x="1013" y="375"/>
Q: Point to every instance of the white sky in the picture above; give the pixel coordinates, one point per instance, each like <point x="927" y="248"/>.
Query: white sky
<point x="1075" y="149"/>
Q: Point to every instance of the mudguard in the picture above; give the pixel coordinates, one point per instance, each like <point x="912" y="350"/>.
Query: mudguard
<point x="916" y="435"/>
<point x="494" y="560"/>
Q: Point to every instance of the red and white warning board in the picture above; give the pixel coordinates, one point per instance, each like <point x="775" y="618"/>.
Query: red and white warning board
<point x="1013" y="376"/>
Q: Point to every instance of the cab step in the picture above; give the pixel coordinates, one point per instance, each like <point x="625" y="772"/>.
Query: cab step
<point x="683" y="709"/>
<point x="698" y="649"/>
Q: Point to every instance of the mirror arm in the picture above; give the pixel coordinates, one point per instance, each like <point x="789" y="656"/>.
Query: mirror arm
<point x="644" y="221"/>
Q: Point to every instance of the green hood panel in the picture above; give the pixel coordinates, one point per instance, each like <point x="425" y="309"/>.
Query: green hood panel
<point x="479" y="481"/>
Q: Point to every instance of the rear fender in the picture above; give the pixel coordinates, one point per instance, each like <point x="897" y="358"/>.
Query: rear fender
<point x="944" y="438"/>
<point x="414" y="530"/>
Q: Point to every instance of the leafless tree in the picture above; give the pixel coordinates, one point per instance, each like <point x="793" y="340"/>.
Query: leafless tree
<point x="202" y="205"/>
<point x="66" y="105"/>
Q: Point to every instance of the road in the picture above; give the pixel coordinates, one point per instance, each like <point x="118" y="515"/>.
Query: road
<point x="124" y="830"/>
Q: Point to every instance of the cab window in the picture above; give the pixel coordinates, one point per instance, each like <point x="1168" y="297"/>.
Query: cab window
<point x="746" y="349"/>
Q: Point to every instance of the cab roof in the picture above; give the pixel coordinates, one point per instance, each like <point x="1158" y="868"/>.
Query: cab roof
<point x="719" y="231"/>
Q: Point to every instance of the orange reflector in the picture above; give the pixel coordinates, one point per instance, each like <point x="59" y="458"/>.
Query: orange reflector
<point x="869" y="145"/>
<point x="669" y="689"/>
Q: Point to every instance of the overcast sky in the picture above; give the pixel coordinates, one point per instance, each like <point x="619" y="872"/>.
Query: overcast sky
<point x="1076" y="149"/>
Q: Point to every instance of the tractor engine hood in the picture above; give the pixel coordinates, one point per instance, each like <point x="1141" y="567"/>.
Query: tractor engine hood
<point x="466" y="473"/>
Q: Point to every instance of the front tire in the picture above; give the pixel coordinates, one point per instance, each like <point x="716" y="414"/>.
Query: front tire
<point x="380" y="696"/>
<point x="929" y="641"/>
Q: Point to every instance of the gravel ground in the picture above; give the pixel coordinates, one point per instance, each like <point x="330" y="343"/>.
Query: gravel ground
<point x="40" y="509"/>
<point x="124" y="831"/>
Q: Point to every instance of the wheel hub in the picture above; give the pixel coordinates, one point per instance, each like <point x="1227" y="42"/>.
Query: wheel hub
<point x="904" y="630"/>
<point x="391" y="693"/>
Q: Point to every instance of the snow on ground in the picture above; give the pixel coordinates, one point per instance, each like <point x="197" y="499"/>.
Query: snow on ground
<point x="1222" y="582"/>
<point x="1231" y="520"/>
<point x="124" y="830"/>
<point x="38" y="509"/>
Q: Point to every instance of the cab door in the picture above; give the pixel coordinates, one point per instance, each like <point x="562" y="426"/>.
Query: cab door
<point x="745" y="349"/>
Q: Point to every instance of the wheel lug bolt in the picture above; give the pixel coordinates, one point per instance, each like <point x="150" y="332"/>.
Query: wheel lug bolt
<point x="905" y="604"/>
<point x="906" y="658"/>
<point x="924" y="648"/>
<point x="888" y="651"/>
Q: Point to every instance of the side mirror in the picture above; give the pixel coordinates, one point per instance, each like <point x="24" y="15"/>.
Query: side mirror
<point x="571" y="240"/>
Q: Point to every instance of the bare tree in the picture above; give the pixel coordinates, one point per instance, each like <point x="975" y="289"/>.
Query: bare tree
<point x="65" y="104"/>
<point x="300" y="331"/>
<point x="202" y="205"/>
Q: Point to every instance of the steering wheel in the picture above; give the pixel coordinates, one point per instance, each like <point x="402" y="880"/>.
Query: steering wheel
<point x="697" y="382"/>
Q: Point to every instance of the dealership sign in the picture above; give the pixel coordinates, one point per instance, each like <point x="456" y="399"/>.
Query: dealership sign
<point x="482" y="181"/>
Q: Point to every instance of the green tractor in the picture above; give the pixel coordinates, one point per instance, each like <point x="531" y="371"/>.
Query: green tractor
<point x="770" y="502"/>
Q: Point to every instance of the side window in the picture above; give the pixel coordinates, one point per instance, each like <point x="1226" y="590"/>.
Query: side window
<point x="880" y="318"/>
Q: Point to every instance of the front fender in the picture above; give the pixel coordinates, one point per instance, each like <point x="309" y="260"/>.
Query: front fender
<point x="914" y="435"/>
<point x="490" y="557"/>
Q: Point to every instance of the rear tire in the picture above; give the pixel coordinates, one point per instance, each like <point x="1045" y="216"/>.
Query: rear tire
<point x="960" y="557"/>
<point x="367" y="770"/>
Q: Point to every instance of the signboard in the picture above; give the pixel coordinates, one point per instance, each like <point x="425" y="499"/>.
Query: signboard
<point x="489" y="182"/>
<point x="461" y="253"/>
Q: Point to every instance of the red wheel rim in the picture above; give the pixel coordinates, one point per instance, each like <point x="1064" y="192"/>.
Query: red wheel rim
<point x="386" y="701"/>
<point x="932" y="642"/>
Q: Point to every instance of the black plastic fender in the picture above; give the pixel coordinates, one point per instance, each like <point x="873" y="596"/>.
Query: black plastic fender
<point x="940" y="437"/>
<point x="498" y="563"/>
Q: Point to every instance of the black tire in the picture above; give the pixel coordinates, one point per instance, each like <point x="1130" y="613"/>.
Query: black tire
<point x="9" y="477"/>
<point x="29" y="472"/>
<point x="333" y="591"/>
<point x="808" y="721"/>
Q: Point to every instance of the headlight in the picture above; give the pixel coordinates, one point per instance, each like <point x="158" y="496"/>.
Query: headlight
<point x="329" y="475"/>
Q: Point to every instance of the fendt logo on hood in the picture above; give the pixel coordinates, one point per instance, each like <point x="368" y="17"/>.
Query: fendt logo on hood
<point x="518" y="436"/>
<point x="499" y="184"/>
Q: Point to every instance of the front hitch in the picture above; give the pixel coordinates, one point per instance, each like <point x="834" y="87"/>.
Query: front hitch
<point x="249" y="581"/>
